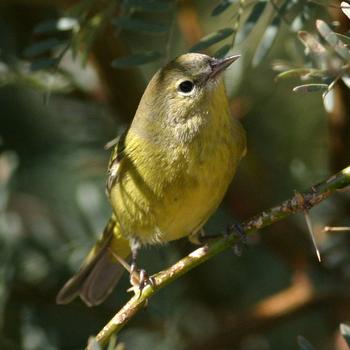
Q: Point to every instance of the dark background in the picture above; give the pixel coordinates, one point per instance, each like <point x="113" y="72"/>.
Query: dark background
<point x="53" y="128"/>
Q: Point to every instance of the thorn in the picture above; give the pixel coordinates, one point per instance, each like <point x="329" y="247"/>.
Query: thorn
<point x="336" y="228"/>
<point x="309" y="226"/>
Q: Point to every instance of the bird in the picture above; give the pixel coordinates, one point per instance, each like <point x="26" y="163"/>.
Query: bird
<point x="168" y="172"/>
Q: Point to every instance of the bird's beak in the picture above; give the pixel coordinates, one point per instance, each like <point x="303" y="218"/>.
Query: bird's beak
<point x="219" y="65"/>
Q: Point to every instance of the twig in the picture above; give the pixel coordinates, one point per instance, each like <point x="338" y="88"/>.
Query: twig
<point x="291" y="206"/>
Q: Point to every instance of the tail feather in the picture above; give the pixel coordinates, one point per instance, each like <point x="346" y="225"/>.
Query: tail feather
<point x="100" y="271"/>
<point x="101" y="281"/>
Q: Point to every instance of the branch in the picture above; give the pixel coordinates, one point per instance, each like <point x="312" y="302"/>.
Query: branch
<point x="298" y="203"/>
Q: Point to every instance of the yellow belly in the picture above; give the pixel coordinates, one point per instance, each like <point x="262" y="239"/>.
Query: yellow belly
<point x="190" y="202"/>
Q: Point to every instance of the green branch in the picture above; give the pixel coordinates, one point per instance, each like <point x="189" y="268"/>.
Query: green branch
<point x="298" y="203"/>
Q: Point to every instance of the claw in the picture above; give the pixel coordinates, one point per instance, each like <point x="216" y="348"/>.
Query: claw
<point x="139" y="280"/>
<point x="145" y="280"/>
<point x="242" y="238"/>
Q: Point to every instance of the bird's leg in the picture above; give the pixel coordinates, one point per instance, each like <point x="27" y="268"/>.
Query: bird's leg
<point x="197" y="237"/>
<point x="138" y="277"/>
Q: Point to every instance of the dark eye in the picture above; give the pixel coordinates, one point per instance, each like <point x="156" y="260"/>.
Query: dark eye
<point x="186" y="86"/>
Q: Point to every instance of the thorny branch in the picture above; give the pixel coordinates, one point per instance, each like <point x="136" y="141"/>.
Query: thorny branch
<point x="298" y="203"/>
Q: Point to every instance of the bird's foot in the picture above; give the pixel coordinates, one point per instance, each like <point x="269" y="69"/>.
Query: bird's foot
<point x="242" y="241"/>
<point x="139" y="280"/>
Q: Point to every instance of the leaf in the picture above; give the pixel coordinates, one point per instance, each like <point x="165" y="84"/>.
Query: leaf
<point x="281" y="65"/>
<point x="43" y="46"/>
<point x="148" y="5"/>
<point x="329" y="101"/>
<point x="140" y="25"/>
<point x="311" y="43"/>
<point x="221" y="7"/>
<point x="43" y="64"/>
<point x="222" y="51"/>
<point x="346" y="80"/>
<point x="344" y="38"/>
<point x="297" y="23"/>
<point x="345" y="7"/>
<point x="333" y="40"/>
<point x="304" y="344"/>
<point x="311" y="88"/>
<point x="136" y="59"/>
<point x="265" y="43"/>
<point x="270" y="34"/>
<point x="295" y="72"/>
<point x="345" y="329"/>
<point x="251" y="21"/>
<point x="61" y="24"/>
<point x="212" y="39"/>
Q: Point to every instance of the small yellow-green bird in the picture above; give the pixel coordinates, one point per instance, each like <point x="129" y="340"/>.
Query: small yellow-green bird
<point x="169" y="171"/>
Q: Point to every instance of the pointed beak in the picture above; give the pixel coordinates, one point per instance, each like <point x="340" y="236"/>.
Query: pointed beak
<point x="219" y="65"/>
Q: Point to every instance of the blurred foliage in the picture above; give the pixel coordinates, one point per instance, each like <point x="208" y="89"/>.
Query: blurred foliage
<point x="62" y="80"/>
<point x="327" y="64"/>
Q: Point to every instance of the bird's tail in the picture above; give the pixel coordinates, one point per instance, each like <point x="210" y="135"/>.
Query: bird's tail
<point x="100" y="271"/>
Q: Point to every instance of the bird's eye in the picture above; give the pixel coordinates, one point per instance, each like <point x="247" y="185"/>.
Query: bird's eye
<point x="186" y="87"/>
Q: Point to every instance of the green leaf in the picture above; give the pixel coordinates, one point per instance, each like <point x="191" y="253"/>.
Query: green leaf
<point x="271" y="32"/>
<point x="212" y="39"/>
<point x="296" y="72"/>
<point x="281" y="65"/>
<point x="222" y="51"/>
<point x="60" y="24"/>
<point x="311" y="88"/>
<point x="333" y="40"/>
<point x="148" y="5"/>
<point x="345" y="329"/>
<point x="304" y="344"/>
<point x="265" y="44"/>
<point x="43" y="64"/>
<point x="44" y="46"/>
<point x="140" y="25"/>
<point x="136" y="59"/>
<point x="251" y="21"/>
<point x="221" y="7"/>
